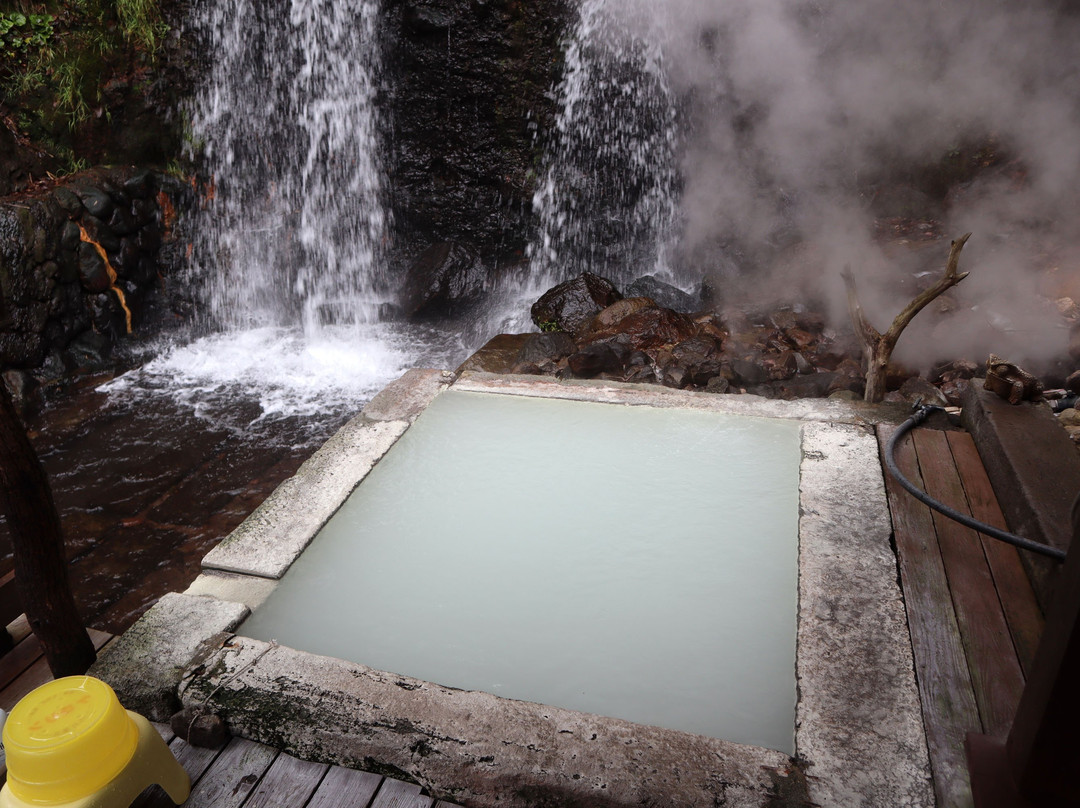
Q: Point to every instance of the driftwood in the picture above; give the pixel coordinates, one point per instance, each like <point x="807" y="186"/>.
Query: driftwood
<point x="38" y="547"/>
<point x="878" y="347"/>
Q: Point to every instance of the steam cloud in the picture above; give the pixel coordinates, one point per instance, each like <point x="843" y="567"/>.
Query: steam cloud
<point x="807" y="119"/>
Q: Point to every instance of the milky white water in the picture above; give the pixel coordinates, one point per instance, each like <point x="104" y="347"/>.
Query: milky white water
<point x="627" y="561"/>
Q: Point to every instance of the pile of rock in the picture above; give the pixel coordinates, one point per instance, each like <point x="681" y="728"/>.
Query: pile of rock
<point x="80" y="261"/>
<point x="590" y="330"/>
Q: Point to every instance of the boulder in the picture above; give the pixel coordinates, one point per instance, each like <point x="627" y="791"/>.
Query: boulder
<point x="551" y="346"/>
<point x="571" y="304"/>
<point x="446" y="279"/>
<point x="653" y="327"/>
<point x="700" y="358"/>
<point x="599" y="357"/>
<point x="666" y="295"/>
<point x="607" y="321"/>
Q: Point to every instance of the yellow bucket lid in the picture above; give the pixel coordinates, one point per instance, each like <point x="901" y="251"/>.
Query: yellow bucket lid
<point x="67" y="739"/>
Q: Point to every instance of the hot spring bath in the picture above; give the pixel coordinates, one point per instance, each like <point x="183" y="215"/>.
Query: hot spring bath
<point x="634" y="562"/>
<point x="542" y="532"/>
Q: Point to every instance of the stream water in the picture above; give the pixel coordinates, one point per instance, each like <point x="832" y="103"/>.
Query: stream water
<point x="151" y="468"/>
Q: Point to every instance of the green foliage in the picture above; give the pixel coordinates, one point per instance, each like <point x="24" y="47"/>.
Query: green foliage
<point x="57" y="56"/>
<point x="141" y="23"/>
<point x="23" y="35"/>
<point x="549" y="325"/>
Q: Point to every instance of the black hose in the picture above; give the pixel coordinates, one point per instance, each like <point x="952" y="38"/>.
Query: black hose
<point x="987" y="530"/>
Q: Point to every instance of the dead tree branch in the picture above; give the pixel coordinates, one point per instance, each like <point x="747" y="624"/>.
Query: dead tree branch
<point x="878" y="347"/>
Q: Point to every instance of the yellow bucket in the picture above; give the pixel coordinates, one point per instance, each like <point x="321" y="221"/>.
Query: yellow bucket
<point x="67" y="739"/>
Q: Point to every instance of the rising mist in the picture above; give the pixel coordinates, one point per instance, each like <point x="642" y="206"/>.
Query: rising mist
<point x="812" y="128"/>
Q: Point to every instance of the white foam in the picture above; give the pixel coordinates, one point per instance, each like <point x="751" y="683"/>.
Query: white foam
<point x="239" y="378"/>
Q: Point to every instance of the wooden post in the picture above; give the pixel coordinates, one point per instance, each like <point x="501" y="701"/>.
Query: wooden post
<point x="1038" y="764"/>
<point x="38" y="545"/>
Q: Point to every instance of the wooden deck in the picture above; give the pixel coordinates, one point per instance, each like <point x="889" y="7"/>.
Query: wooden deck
<point x="971" y="610"/>
<point x="242" y="774"/>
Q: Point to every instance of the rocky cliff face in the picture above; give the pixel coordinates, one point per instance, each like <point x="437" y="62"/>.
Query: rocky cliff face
<point x="470" y="90"/>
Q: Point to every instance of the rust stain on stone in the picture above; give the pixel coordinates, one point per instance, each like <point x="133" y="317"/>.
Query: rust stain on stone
<point x="112" y="275"/>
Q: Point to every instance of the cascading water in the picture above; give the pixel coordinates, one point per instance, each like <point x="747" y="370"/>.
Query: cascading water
<point x="608" y="198"/>
<point x="288" y="244"/>
<point x="289" y="131"/>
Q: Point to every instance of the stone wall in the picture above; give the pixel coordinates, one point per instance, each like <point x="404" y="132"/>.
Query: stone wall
<point x="80" y="268"/>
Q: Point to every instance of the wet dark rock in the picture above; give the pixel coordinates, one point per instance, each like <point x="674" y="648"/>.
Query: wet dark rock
<point x="101" y="233"/>
<point x="700" y="358"/>
<point x="105" y="314"/>
<point x="547" y="346"/>
<point x="674" y="376"/>
<point x="666" y="295"/>
<point x="599" y="357"/>
<point x="811" y="385"/>
<point x="92" y="272"/>
<point x="89" y="350"/>
<point x="571" y="304"/>
<point x="606" y="323"/>
<point x="718" y="384"/>
<point x="748" y="372"/>
<point x="782" y="365"/>
<point x="20" y="386"/>
<point x="653" y="327"/>
<point x="122" y="221"/>
<point x="95" y="200"/>
<point x="140" y="184"/>
<point x="444" y="280"/>
<point x="1072" y="382"/>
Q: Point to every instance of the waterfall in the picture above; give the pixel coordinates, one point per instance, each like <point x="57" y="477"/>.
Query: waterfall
<point x="608" y="199"/>
<point x="288" y="130"/>
<point x="288" y="242"/>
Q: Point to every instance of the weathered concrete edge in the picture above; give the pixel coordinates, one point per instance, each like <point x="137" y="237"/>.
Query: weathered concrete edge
<point x="469" y="746"/>
<point x="274" y="535"/>
<point x="250" y="590"/>
<point x="805" y="409"/>
<point x="145" y="664"/>
<point x="858" y="720"/>
<point x="405" y="398"/>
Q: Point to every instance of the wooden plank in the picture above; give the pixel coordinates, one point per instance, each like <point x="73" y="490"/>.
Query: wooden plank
<point x="1022" y="612"/>
<point x="397" y="794"/>
<point x="995" y="669"/>
<point x="25" y="654"/>
<point x="38" y="673"/>
<point x="195" y="760"/>
<point x="288" y="783"/>
<point x="10" y="605"/>
<point x="948" y="699"/>
<point x="232" y="776"/>
<point x="345" y="788"/>
<point x="164" y="730"/>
